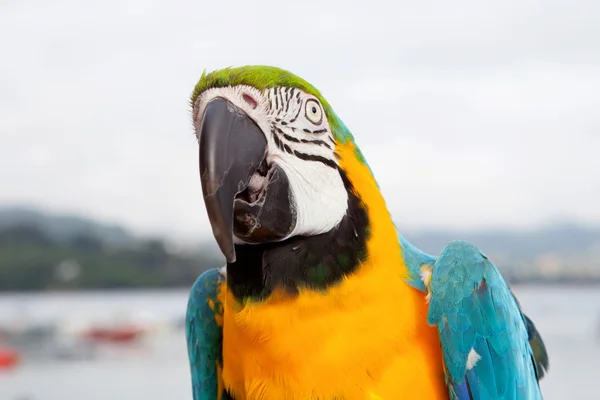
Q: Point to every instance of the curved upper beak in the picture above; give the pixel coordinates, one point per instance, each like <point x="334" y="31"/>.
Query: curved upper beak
<point x="232" y="147"/>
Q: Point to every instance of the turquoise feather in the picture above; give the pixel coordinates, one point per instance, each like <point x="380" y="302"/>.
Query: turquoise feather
<point x="415" y="260"/>
<point x="204" y="335"/>
<point x="474" y="309"/>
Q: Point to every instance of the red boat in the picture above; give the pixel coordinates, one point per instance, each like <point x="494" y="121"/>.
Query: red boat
<point x="118" y="334"/>
<point x="8" y="357"/>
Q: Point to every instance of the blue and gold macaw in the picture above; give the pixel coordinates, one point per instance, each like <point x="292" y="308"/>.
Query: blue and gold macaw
<point x="320" y="297"/>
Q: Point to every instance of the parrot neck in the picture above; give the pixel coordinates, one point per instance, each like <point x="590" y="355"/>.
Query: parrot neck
<point x="313" y="262"/>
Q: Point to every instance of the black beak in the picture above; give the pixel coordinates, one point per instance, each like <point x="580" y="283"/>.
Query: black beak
<point x="232" y="148"/>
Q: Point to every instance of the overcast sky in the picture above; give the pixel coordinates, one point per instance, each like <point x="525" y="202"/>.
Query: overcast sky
<point x="471" y="114"/>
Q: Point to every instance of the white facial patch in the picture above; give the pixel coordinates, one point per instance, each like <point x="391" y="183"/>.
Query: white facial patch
<point x="300" y="141"/>
<point x="321" y="200"/>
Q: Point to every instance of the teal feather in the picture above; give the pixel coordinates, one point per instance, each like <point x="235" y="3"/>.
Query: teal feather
<point x="473" y="308"/>
<point x="540" y="354"/>
<point x="204" y="335"/>
<point x="414" y="259"/>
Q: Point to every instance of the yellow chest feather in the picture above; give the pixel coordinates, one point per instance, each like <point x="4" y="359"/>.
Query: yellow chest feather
<point x="360" y="340"/>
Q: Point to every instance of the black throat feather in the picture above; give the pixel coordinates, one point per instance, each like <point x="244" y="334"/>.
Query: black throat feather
<point x="314" y="262"/>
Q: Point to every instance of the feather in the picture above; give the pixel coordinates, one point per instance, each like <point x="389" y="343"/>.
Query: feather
<point x="204" y="336"/>
<point x="485" y="338"/>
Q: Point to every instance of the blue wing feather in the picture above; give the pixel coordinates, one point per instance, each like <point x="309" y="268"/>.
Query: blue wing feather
<point x="204" y="335"/>
<point x="474" y="310"/>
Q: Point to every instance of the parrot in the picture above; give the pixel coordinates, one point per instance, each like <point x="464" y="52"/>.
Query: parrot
<point x="321" y="297"/>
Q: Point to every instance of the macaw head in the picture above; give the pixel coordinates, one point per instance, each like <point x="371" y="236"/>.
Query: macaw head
<point x="275" y="160"/>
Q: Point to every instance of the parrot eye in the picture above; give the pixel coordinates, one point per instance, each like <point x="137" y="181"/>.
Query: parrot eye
<point x="313" y="112"/>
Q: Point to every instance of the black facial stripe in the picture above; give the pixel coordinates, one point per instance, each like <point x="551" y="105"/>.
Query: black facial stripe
<point x="296" y="140"/>
<point x="287" y="104"/>
<point x="274" y="100"/>
<point x="311" y="157"/>
<point x="282" y="146"/>
<point x="279" y="92"/>
<point x="288" y="137"/>
<point x="277" y="141"/>
<point x="316" y="141"/>
<point x="303" y="156"/>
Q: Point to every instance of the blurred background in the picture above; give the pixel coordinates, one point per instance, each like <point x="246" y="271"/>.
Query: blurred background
<point x="479" y="119"/>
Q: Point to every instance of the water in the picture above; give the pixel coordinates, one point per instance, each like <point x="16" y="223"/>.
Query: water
<point x="157" y="369"/>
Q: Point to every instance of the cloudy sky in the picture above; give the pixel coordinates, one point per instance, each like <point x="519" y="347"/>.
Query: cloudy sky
<point x="471" y="114"/>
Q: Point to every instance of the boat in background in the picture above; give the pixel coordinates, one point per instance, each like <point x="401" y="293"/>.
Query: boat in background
<point x="9" y="357"/>
<point x="114" y="334"/>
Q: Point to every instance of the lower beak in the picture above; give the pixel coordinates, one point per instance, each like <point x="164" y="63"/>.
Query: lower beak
<point x="232" y="148"/>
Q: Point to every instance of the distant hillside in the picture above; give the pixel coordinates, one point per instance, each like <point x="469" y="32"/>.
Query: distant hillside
<point x="41" y="251"/>
<point x="62" y="227"/>
<point x="35" y="246"/>
<point x="565" y="239"/>
<point x="555" y="253"/>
